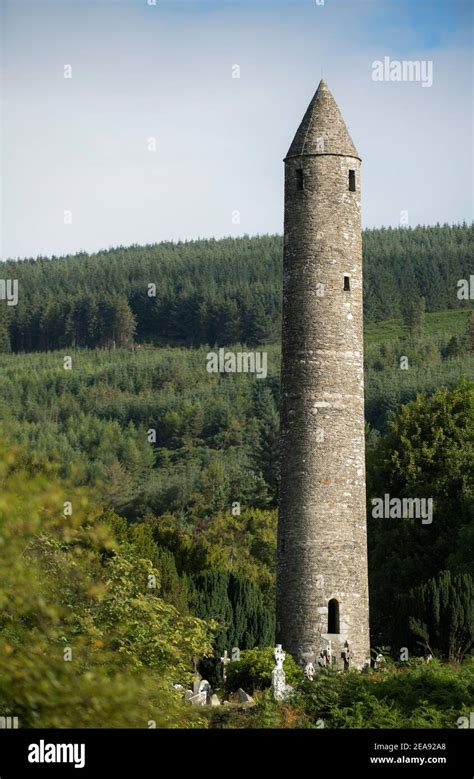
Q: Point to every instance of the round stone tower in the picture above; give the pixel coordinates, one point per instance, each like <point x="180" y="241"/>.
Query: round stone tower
<point x="322" y="589"/>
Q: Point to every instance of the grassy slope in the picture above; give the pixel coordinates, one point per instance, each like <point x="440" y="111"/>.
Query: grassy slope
<point x="439" y="325"/>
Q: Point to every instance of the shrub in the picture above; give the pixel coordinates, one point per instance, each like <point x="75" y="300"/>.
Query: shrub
<point x="84" y="641"/>
<point x="410" y="696"/>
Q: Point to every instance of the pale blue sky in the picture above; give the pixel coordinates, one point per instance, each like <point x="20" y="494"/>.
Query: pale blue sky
<point x="165" y="71"/>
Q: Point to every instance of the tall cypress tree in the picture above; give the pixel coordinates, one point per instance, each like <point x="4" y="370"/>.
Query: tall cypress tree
<point x="442" y="615"/>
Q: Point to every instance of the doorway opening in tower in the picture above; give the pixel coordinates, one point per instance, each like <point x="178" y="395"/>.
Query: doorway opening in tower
<point x="333" y="616"/>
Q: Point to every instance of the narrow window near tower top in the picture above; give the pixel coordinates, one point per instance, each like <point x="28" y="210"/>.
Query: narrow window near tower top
<point x="299" y="178"/>
<point x="347" y="282"/>
<point x="352" y="181"/>
<point x="333" y="616"/>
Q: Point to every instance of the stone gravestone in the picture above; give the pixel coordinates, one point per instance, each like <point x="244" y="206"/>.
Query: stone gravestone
<point x="322" y="658"/>
<point x="379" y="662"/>
<point x="325" y="656"/>
<point x="200" y="693"/>
<point x="205" y="691"/>
<point x="329" y="653"/>
<point x="309" y="671"/>
<point x="197" y="679"/>
<point x="346" y="656"/>
<point x="243" y="696"/>
<point x="194" y="700"/>
<point x="278" y="674"/>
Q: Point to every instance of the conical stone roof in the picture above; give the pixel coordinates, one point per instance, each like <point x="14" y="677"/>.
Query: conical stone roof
<point x="322" y="130"/>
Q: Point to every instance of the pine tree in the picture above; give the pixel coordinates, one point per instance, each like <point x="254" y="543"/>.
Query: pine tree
<point x="124" y="324"/>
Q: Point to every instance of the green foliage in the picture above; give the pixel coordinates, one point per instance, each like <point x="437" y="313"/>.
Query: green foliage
<point x="84" y="640"/>
<point x="213" y="448"/>
<point x="167" y="449"/>
<point x="254" y="671"/>
<point x="414" y="317"/>
<point x="428" y="452"/>
<point x="213" y="292"/>
<point x="442" y="615"/>
<point x="237" y="605"/>
<point x="453" y="348"/>
<point x="438" y="326"/>
<point x="216" y="435"/>
<point x="470" y="333"/>
<point x="410" y="696"/>
<point x="138" y="539"/>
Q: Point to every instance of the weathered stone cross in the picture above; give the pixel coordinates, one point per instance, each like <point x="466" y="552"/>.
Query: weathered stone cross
<point x="279" y="656"/>
<point x="225" y="660"/>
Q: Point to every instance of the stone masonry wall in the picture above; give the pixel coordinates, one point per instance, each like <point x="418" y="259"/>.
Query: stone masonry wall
<point x="322" y="545"/>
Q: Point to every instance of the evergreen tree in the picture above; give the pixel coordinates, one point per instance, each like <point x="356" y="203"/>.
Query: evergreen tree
<point x="237" y="605"/>
<point x="414" y="317"/>
<point x="442" y="615"/>
<point x="216" y="292"/>
<point x="428" y="453"/>
<point x="470" y="332"/>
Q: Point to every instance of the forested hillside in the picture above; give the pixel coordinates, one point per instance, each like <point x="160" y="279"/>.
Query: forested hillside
<point x="172" y="473"/>
<point x="160" y="441"/>
<point x="209" y="291"/>
<point x="214" y="437"/>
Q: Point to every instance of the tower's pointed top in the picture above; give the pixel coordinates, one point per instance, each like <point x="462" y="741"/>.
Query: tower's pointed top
<point x="322" y="130"/>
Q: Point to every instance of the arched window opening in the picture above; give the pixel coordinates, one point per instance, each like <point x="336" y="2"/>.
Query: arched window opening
<point x="333" y="616"/>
